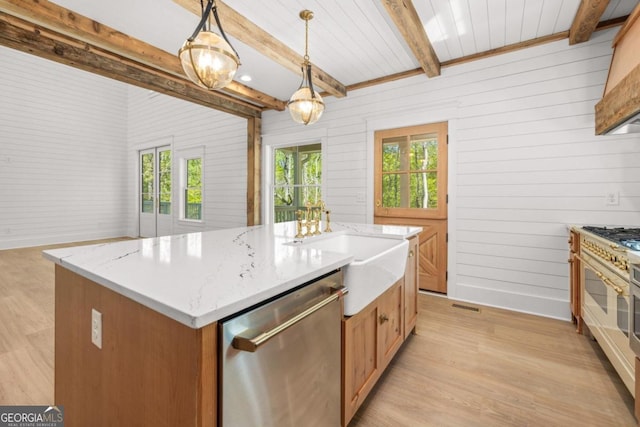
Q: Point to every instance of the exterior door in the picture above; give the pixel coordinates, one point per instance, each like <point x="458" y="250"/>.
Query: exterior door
<point x="156" y="214"/>
<point x="410" y="188"/>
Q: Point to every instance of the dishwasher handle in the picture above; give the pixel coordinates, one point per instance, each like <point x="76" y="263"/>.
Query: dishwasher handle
<point x="244" y="343"/>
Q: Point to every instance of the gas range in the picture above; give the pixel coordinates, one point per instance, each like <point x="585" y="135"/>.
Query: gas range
<point x="628" y="237"/>
<point x="610" y="245"/>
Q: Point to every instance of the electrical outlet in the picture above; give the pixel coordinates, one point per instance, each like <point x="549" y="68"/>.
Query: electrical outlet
<point x="96" y="328"/>
<point x="613" y="198"/>
<point x="360" y="198"/>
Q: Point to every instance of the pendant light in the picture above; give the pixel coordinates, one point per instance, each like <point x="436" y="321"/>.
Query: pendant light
<point x="306" y="105"/>
<point x="208" y="59"/>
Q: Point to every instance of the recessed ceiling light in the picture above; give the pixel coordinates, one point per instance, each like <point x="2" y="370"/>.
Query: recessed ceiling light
<point x="245" y="78"/>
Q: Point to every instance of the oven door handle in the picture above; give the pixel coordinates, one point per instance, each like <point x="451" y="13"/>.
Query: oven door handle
<point x="251" y="344"/>
<point x="601" y="276"/>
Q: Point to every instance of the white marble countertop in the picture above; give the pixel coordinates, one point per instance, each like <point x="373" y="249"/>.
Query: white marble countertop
<point x="199" y="278"/>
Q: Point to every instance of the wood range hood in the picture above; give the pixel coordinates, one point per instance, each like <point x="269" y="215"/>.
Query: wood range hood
<point x="619" y="110"/>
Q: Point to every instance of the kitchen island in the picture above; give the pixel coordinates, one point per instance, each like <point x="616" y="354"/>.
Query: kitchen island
<point x="160" y="300"/>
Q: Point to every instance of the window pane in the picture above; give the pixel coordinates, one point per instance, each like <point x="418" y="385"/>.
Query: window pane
<point x="311" y="194"/>
<point x="193" y="190"/>
<point x="424" y="154"/>
<point x="146" y="183"/>
<point x="391" y="190"/>
<point x="311" y="168"/>
<point x="193" y="204"/>
<point x="283" y="196"/>
<point x="297" y="179"/>
<point x="391" y="154"/>
<point x="284" y="166"/>
<point x="147" y="203"/>
<point x="424" y="192"/>
<point x="165" y="182"/>
<point x="194" y="172"/>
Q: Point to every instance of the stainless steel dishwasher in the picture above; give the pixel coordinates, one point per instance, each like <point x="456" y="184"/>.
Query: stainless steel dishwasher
<point x="280" y="363"/>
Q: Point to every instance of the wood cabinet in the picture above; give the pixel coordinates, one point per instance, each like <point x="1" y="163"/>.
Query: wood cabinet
<point x="411" y="286"/>
<point x="371" y="339"/>
<point x="150" y="371"/>
<point x="574" y="279"/>
<point x="373" y="336"/>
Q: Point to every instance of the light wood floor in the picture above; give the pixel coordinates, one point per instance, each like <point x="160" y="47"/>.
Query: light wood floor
<point x="492" y="368"/>
<point x="496" y="368"/>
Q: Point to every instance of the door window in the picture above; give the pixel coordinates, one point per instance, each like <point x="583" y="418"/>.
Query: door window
<point x="164" y="181"/>
<point x="156" y="216"/>
<point x="147" y="181"/>
<point x="411" y="172"/>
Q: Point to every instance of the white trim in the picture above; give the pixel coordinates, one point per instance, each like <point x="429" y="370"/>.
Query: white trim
<point x="153" y="143"/>
<point x="530" y="304"/>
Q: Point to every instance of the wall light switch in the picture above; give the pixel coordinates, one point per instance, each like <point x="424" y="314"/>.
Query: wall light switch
<point x="96" y="328"/>
<point x="613" y="198"/>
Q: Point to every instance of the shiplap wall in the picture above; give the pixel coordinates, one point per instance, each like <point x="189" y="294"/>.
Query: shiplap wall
<point x="62" y="153"/>
<point x="156" y="119"/>
<point x="524" y="163"/>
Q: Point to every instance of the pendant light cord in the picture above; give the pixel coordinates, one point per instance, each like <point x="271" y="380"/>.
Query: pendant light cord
<point x="203" y="20"/>
<point x="206" y="11"/>
<point x="306" y="40"/>
<point x="224" y="36"/>
<point x="307" y="64"/>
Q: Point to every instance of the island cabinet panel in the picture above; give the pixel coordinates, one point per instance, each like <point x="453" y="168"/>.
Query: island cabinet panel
<point x="151" y="370"/>
<point x="371" y="339"/>
<point x="360" y="358"/>
<point x="411" y="288"/>
<point x="390" y="322"/>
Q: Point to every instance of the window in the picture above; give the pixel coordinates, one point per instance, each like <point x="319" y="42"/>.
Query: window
<point x="410" y="178"/>
<point x="193" y="189"/>
<point x="297" y="179"/>
<point x="409" y="171"/>
<point x="192" y="184"/>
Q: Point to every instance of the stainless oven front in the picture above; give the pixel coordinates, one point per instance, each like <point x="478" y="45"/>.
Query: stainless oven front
<point x="634" y="312"/>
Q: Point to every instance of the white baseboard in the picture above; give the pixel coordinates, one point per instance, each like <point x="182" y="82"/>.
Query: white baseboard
<point x="530" y="304"/>
<point x="25" y="242"/>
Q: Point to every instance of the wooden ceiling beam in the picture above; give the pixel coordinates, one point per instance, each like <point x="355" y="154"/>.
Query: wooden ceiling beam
<point x="27" y="37"/>
<point x="586" y="20"/>
<point x="604" y="25"/>
<point x="65" y="21"/>
<point x="250" y="34"/>
<point x="404" y="15"/>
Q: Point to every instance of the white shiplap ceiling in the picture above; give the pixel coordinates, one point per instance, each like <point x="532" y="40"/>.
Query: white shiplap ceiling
<point x="352" y="40"/>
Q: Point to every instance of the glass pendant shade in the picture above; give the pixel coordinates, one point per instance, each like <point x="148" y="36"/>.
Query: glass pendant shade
<point x="209" y="61"/>
<point x="305" y="108"/>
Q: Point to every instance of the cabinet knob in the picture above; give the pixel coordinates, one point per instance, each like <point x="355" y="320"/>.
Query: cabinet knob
<point x="383" y="318"/>
<point x="411" y="253"/>
<point x="378" y="203"/>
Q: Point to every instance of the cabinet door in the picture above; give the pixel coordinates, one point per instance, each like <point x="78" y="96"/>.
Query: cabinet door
<point x="390" y="322"/>
<point x="411" y="288"/>
<point x="361" y="362"/>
